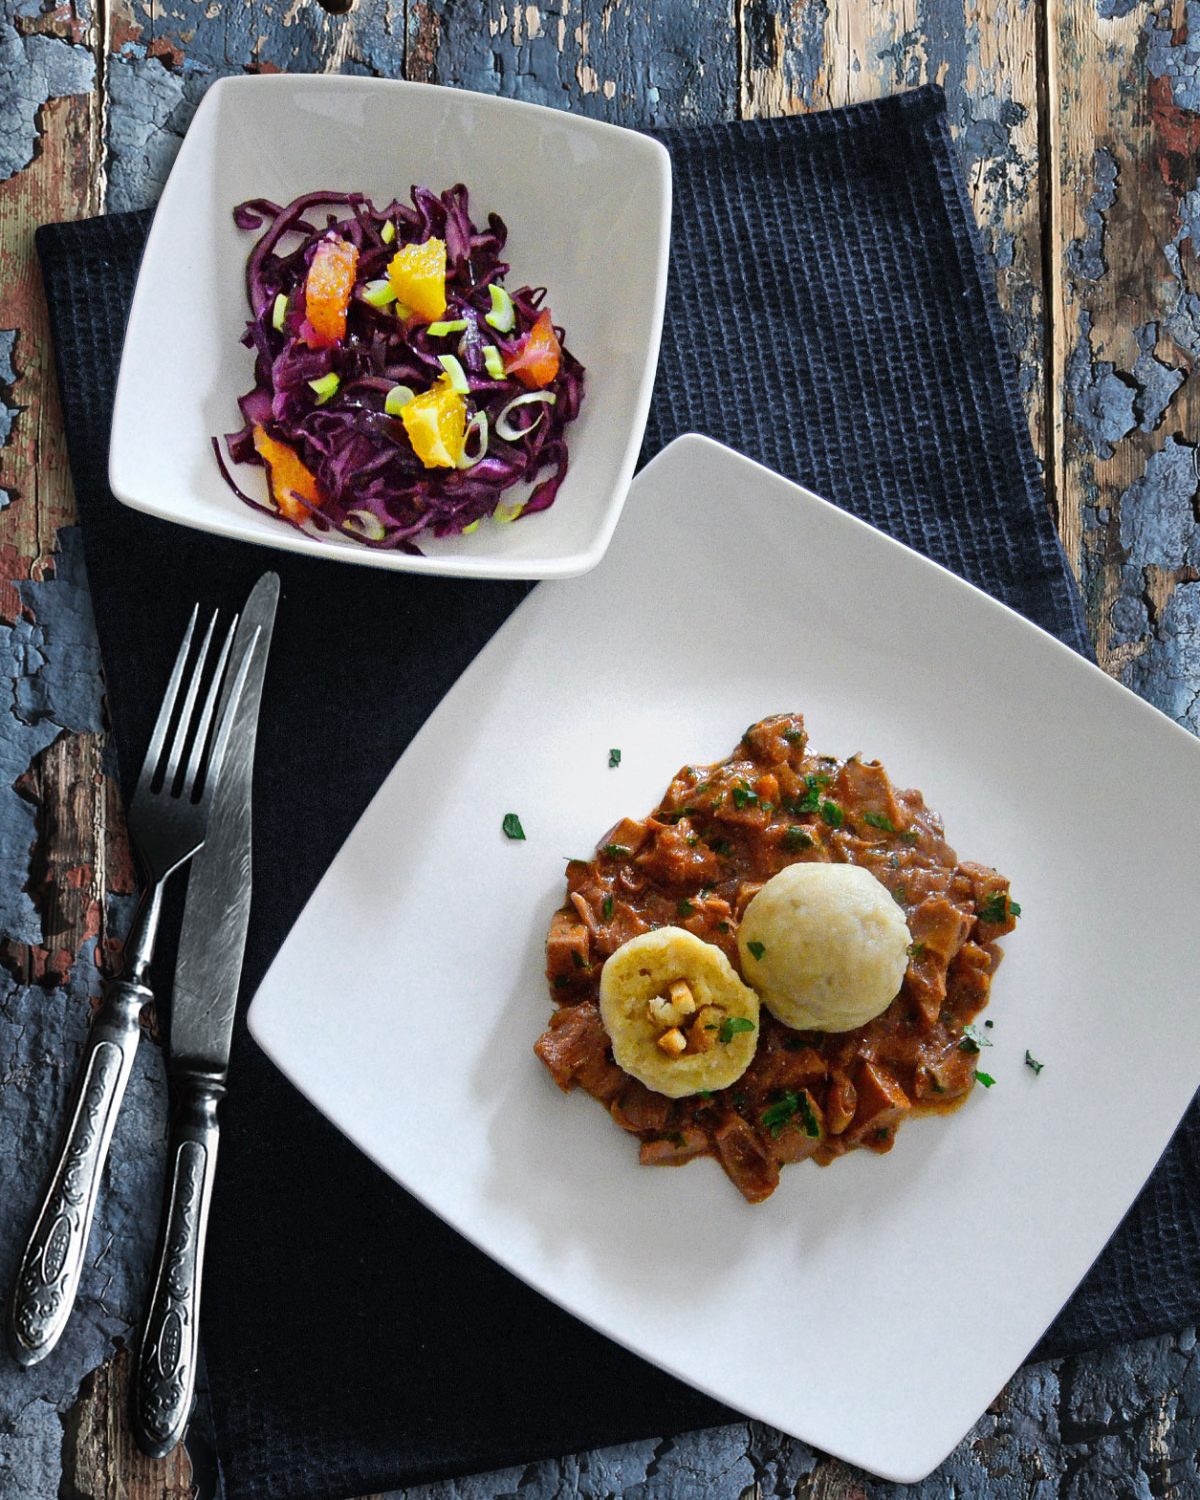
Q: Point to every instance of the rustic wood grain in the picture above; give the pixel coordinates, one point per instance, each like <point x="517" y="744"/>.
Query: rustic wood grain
<point x="1124" y="223"/>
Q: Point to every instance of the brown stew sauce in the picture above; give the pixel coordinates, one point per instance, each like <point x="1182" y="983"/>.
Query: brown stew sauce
<point x="717" y="836"/>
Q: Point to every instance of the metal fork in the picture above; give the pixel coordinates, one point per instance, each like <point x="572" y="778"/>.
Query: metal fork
<point x="167" y="822"/>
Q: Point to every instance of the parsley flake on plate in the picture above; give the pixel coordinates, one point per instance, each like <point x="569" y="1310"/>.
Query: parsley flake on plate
<point x="606" y="908"/>
<point x="877" y="820"/>
<point x="615" y="851"/>
<point x="985" y="1078"/>
<point x="614" y="759"/>
<point x="1032" y="1062"/>
<point x="779" y="1114"/>
<point x="511" y="825"/>
<point x="797" y="838"/>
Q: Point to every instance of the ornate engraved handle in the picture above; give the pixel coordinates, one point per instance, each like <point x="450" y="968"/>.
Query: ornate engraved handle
<point x="166" y="1373"/>
<point x="49" y="1273"/>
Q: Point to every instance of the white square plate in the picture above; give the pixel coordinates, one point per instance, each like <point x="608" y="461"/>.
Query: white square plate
<point x="588" y="209"/>
<point x="406" y="1001"/>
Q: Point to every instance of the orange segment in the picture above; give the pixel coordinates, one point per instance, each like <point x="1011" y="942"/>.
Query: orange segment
<point x="536" y="362"/>
<point x="293" y="487"/>
<point x="436" y="423"/>
<point x="327" y="292"/>
<point x="418" y="277"/>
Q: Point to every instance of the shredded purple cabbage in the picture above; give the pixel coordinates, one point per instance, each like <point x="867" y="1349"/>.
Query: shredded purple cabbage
<point x="361" y="457"/>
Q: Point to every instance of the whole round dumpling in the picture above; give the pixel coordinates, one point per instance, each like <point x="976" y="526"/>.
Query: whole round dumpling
<point x="679" y="1018"/>
<point x="825" y="946"/>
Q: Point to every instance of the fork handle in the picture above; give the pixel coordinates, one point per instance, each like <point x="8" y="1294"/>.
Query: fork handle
<point x="50" y="1268"/>
<point x="166" y="1375"/>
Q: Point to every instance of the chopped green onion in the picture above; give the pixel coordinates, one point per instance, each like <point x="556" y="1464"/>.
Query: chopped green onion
<point x="458" y="377"/>
<point x="324" y="388"/>
<point x="440" y="330"/>
<point x="503" y="315"/>
<point x="477" y="424"/>
<point x="366" y="524"/>
<point x="513" y="434"/>
<point x="279" y="312"/>
<point x="508" y="510"/>
<point x="388" y="233"/>
<point x="493" y="362"/>
<point x="379" y="293"/>
<point x="730" y="1027"/>
<point x="757" y="949"/>
<point x="511" y="825"/>
<point x="397" y="399"/>
<point x="467" y="530"/>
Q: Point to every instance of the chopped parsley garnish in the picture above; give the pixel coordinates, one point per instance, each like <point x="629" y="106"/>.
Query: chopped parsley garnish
<point x="614" y="758"/>
<point x="580" y="961"/>
<point x="561" y="981"/>
<point x="832" y="814"/>
<point x="692" y="840"/>
<point x="985" y="1078"/>
<point x="779" y="1114"/>
<point x="615" y="851"/>
<point x="730" y="1027"/>
<point x="797" y="838"/>
<point x="744" y="795"/>
<point x="1032" y="1062"/>
<point x="606" y="908"/>
<point x="511" y="825"/>
<point x="972" y="1040"/>
<point x="793" y="736"/>
<point x="721" y="846"/>
<point x="908" y="836"/>
<point x="808" y="1117"/>
<point x="877" y="820"/>
<point x="998" y="907"/>
<point x="758" y="949"/>
<point x="684" y="909"/>
<point x="915" y="950"/>
<point x="722" y="926"/>
<point x="705" y="1094"/>
<point x="989" y="1024"/>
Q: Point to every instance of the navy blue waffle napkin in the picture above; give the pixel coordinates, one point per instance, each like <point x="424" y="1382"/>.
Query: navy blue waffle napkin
<point x="830" y="314"/>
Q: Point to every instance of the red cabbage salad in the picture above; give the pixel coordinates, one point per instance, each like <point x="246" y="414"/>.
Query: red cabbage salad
<point x="399" y="387"/>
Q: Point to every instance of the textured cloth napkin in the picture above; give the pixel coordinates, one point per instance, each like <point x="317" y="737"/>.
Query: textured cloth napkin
<point x="830" y="314"/>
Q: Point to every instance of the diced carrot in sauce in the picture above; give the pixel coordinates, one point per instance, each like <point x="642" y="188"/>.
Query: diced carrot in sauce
<point x="327" y="292"/>
<point x="293" y="486"/>
<point x="535" y="364"/>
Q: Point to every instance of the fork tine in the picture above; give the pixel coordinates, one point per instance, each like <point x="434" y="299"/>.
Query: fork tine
<point x="200" y="742"/>
<point x="179" y="740"/>
<point x="161" y="724"/>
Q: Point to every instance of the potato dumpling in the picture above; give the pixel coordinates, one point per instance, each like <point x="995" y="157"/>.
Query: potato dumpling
<point x="679" y="1018"/>
<point x="825" y="946"/>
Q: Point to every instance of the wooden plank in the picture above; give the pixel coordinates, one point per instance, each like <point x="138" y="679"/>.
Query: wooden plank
<point x="1125" y="223"/>
<point x="799" y="56"/>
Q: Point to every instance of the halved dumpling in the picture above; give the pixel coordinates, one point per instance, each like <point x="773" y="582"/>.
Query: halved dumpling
<point x="680" y="1019"/>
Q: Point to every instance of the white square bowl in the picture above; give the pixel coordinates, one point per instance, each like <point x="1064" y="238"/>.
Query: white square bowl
<point x="588" y="209"/>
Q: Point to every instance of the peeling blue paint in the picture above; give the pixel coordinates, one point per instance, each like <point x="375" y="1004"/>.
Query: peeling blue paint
<point x="1113" y="10"/>
<point x="1130" y="621"/>
<point x="1157" y="381"/>
<point x="1177" y="61"/>
<point x="1158" y="517"/>
<point x="34" y="69"/>
<point x="41" y="1036"/>
<point x="905" y="56"/>
<point x="1085" y="256"/>
<point x="50" y="672"/>
<point x="1168" y="671"/>
<point x="8" y="378"/>
<point x="1100" y="400"/>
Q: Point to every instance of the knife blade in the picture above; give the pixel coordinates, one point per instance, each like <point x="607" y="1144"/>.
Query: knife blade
<point x="208" y="963"/>
<point x="208" y="969"/>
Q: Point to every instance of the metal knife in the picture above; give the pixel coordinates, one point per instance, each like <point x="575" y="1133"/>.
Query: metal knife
<point x="208" y="969"/>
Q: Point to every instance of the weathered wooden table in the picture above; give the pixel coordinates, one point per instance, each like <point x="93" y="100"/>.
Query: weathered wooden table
<point x="1079" y="127"/>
